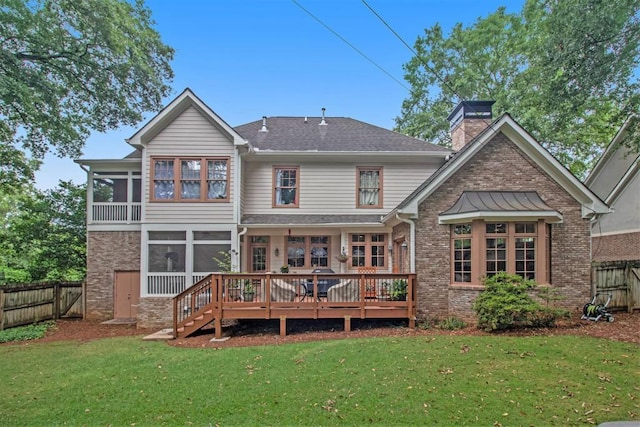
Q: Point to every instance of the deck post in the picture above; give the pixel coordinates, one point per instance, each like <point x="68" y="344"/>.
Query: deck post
<point x="347" y="323"/>
<point x="218" y="325"/>
<point x="283" y="326"/>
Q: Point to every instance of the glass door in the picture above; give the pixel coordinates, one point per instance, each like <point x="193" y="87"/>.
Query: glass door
<point x="259" y="251"/>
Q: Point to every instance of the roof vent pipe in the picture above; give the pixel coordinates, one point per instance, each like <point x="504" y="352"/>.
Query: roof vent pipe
<point x="264" y="124"/>
<point x="323" y="123"/>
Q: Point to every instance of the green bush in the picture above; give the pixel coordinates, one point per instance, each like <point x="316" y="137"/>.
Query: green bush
<point x="24" y="333"/>
<point x="451" y="324"/>
<point x="12" y="275"/>
<point x="506" y="304"/>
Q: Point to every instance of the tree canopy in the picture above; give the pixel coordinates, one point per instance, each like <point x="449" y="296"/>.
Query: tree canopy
<point x="567" y="71"/>
<point x="69" y="67"/>
<point x="43" y="234"/>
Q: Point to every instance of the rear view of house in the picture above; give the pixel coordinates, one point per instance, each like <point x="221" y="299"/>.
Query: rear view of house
<point x="330" y="192"/>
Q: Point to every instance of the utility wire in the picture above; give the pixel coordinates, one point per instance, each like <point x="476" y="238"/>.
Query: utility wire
<point x="351" y="46"/>
<point x="426" y="65"/>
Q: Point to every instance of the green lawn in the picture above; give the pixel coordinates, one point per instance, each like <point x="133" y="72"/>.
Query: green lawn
<point x="427" y="380"/>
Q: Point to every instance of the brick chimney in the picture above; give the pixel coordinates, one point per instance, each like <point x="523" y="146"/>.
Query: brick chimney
<point x="467" y="120"/>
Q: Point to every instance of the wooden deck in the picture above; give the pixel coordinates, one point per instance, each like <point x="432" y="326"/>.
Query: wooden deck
<point x="293" y="296"/>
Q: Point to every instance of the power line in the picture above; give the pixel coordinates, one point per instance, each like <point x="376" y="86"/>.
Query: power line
<point x="426" y="65"/>
<point x="351" y="46"/>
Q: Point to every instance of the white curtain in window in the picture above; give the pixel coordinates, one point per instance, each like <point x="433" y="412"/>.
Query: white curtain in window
<point x="369" y="187"/>
<point x="217" y="190"/>
<point x="217" y="179"/>
<point x="163" y="190"/>
<point x="190" y="190"/>
<point x="284" y="196"/>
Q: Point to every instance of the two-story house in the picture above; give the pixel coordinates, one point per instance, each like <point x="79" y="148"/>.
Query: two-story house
<point x="304" y="192"/>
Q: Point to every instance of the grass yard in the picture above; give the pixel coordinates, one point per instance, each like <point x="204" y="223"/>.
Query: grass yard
<point x="442" y="380"/>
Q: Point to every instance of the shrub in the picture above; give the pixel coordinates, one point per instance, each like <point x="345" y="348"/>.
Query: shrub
<point x="24" y="333"/>
<point x="12" y="275"/>
<point x="506" y="304"/>
<point x="451" y="324"/>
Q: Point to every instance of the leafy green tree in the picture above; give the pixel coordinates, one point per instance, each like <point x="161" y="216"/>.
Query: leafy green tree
<point x="44" y="234"/>
<point x="69" y="67"/>
<point x="564" y="70"/>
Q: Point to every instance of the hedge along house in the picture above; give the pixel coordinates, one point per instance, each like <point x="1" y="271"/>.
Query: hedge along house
<point x="501" y="203"/>
<point x="299" y="191"/>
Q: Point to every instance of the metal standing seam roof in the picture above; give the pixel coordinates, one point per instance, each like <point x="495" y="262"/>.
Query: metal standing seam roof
<point x="498" y="201"/>
<point x="340" y="134"/>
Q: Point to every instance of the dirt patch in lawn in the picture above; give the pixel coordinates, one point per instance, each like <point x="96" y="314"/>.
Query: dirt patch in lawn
<point x="626" y="328"/>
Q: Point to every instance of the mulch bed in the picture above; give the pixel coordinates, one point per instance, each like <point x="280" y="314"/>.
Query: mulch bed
<point x="626" y="327"/>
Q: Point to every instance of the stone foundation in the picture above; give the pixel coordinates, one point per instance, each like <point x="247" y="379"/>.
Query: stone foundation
<point x="155" y="312"/>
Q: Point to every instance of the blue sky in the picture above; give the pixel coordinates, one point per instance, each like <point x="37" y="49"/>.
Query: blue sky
<point x="251" y="58"/>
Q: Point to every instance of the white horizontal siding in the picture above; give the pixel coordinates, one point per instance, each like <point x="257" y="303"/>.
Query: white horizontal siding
<point x="189" y="135"/>
<point x="330" y="188"/>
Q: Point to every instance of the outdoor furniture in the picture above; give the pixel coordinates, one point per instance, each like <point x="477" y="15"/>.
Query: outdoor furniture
<point x="346" y="290"/>
<point x="324" y="283"/>
<point x="282" y="291"/>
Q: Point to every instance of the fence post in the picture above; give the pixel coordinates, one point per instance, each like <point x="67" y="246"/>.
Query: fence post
<point x="1" y="310"/>
<point x="627" y="281"/>
<point x="56" y="301"/>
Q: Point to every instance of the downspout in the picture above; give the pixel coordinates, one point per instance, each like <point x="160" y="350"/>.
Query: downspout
<point x="242" y="233"/>
<point x="412" y="246"/>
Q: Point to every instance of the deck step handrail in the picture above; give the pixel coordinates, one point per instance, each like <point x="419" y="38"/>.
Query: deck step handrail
<point x="193" y="301"/>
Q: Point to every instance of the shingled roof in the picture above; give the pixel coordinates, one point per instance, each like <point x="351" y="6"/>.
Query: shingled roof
<point x="339" y="134"/>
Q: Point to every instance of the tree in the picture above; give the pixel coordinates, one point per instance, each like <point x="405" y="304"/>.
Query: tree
<point x="44" y="233"/>
<point x="72" y="66"/>
<point x="564" y="70"/>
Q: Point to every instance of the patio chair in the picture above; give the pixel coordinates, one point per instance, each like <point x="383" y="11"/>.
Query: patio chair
<point x="346" y="290"/>
<point x="282" y="291"/>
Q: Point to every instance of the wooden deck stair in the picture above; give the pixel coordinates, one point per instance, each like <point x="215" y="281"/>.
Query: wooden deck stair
<point x="194" y="323"/>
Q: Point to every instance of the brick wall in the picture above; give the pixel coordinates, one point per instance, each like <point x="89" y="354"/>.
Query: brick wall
<point x="466" y="130"/>
<point x="499" y="166"/>
<point x="155" y="312"/>
<point x="616" y="247"/>
<point x="107" y="252"/>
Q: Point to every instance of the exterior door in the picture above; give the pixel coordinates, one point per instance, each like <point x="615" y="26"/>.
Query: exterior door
<point x="126" y="295"/>
<point x="259" y="251"/>
<point x="399" y="256"/>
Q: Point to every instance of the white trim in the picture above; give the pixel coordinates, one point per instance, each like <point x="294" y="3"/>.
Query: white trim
<point x="189" y="242"/>
<point x="609" y="151"/>
<point x="624" y="181"/>
<point x="550" y="216"/>
<point x="186" y="99"/>
<point x="613" y="233"/>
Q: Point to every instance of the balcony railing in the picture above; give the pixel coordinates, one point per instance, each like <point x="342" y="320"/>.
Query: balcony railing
<point x="108" y="212"/>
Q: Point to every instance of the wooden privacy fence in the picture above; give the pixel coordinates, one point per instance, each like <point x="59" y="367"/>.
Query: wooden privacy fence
<point x="621" y="280"/>
<point x="30" y="303"/>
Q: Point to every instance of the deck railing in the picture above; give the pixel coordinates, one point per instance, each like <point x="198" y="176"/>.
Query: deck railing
<point x="300" y="296"/>
<point x="109" y="212"/>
